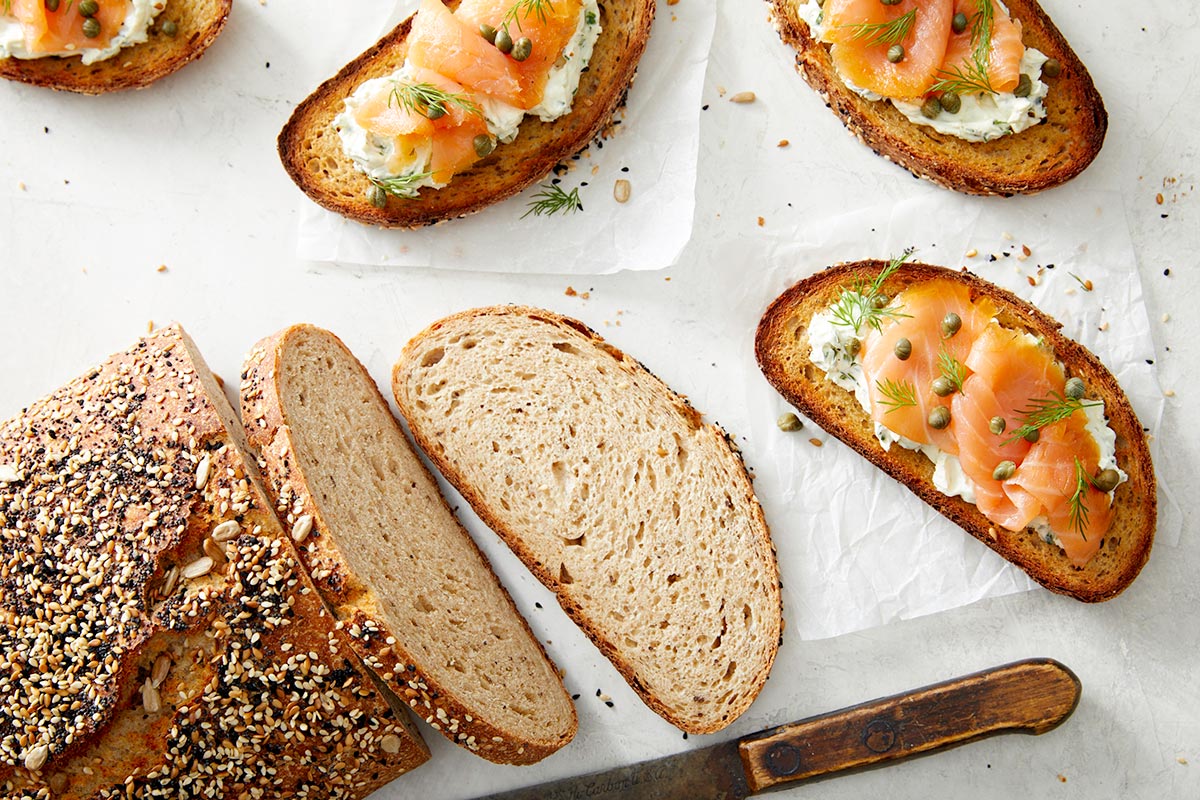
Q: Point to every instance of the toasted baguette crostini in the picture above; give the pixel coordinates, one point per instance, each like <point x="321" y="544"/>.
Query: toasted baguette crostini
<point x="313" y="156"/>
<point x="1041" y="157"/>
<point x="783" y="346"/>
<point x="179" y="34"/>
<point x="614" y="492"/>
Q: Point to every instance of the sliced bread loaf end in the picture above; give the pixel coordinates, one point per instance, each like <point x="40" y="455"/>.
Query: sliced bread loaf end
<point x="615" y="494"/>
<point x="418" y="598"/>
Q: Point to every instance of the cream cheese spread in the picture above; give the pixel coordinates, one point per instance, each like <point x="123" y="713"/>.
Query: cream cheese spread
<point x="829" y="342"/>
<point x="982" y="117"/>
<point x="134" y="30"/>
<point x="377" y="157"/>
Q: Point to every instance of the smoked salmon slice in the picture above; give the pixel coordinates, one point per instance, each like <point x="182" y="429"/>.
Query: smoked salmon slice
<point x="1008" y="369"/>
<point x="1004" y="55"/>
<point x="549" y="26"/>
<point x="442" y="42"/>
<point x="853" y="27"/>
<point x="61" y="30"/>
<point x="395" y="113"/>
<point x="925" y="305"/>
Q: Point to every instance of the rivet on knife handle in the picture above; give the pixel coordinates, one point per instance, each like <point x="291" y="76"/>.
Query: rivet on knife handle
<point x="1027" y="697"/>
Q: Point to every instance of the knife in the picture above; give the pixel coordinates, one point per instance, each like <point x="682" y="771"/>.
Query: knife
<point x="1031" y="696"/>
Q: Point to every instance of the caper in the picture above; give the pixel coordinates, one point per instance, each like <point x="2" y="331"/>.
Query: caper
<point x="1033" y="435"/>
<point x="943" y="386"/>
<point x="939" y="418"/>
<point x="951" y="324"/>
<point x="377" y="196"/>
<point x="931" y="108"/>
<point x="959" y="23"/>
<point x="853" y="348"/>
<point x="89" y="8"/>
<point x="1076" y="389"/>
<point x="434" y="111"/>
<point x="91" y="28"/>
<point x="170" y="27"/>
<point x="997" y="425"/>
<point x="52" y="5"/>
<point x="895" y="53"/>
<point x="789" y="422"/>
<point x="522" y="48"/>
<point x="1003" y="471"/>
<point x="1024" y="87"/>
<point x="488" y="32"/>
<point x="503" y="41"/>
<point x="1052" y="68"/>
<point x="484" y="145"/>
<point x="1106" y="480"/>
<point x="881" y="300"/>
<point x="890" y="2"/>
<point x="903" y="349"/>
<point x="951" y="102"/>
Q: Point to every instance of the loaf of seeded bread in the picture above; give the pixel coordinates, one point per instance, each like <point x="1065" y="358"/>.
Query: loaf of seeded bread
<point x="615" y="494"/>
<point x="197" y="24"/>
<point x="403" y="577"/>
<point x="312" y="154"/>
<point x="159" y="636"/>
<point x="783" y="348"/>
<point x="1039" y="158"/>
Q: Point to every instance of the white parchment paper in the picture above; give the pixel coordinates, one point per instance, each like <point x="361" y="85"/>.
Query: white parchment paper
<point x="654" y="148"/>
<point x="858" y="549"/>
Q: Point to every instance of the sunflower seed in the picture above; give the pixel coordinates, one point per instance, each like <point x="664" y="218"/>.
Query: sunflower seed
<point x="302" y="528"/>
<point x="151" y="701"/>
<point x="226" y="530"/>
<point x="621" y="191"/>
<point x="35" y="759"/>
<point x="198" y="568"/>
<point x="390" y="743"/>
<point x="162" y="666"/>
<point x="202" y="471"/>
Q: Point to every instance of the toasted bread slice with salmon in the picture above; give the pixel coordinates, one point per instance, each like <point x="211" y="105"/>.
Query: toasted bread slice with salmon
<point x="312" y="153"/>
<point x="197" y="24"/>
<point x="1039" y="158"/>
<point x="782" y="346"/>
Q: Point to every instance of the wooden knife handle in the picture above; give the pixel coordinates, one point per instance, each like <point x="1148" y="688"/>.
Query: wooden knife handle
<point x="1030" y="696"/>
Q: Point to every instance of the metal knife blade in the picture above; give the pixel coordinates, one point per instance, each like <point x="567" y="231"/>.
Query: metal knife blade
<point x="1031" y="696"/>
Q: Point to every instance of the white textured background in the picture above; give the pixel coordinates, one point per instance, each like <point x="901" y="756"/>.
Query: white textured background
<point x="185" y="174"/>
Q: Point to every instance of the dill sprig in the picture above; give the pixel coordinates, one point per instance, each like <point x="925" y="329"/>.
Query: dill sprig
<point x="552" y="199"/>
<point x="973" y="79"/>
<point x="430" y="101"/>
<point x="952" y="369"/>
<point x="522" y="9"/>
<point x="897" y="395"/>
<point x="881" y="33"/>
<point x="858" y="305"/>
<point x="402" y="185"/>
<point x="1076" y="505"/>
<point x="1043" y="411"/>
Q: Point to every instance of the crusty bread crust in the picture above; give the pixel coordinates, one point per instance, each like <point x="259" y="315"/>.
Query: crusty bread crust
<point x="593" y="620"/>
<point x="782" y="348"/>
<point x="1044" y="156"/>
<point x="133" y="67"/>
<point x="144" y="447"/>
<point x="421" y="685"/>
<point x="312" y="154"/>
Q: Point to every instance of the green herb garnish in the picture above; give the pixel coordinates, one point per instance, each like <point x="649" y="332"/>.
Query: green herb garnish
<point x="402" y="185"/>
<point x="1043" y="411"/>
<point x="897" y="395"/>
<point x="552" y="199"/>
<point x="523" y="8"/>
<point x="430" y="101"/>
<point x="881" y="33"/>
<point x="858" y="305"/>
<point x="952" y="369"/>
<point x="1077" y="507"/>
<point x="973" y="78"/>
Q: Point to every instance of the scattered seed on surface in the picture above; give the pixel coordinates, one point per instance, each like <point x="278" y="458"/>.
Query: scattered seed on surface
<point x="789" y="422"/>
<point x="743" y="97"/>
<point x="622" y="190"/>
<point x="815" y="442"/>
